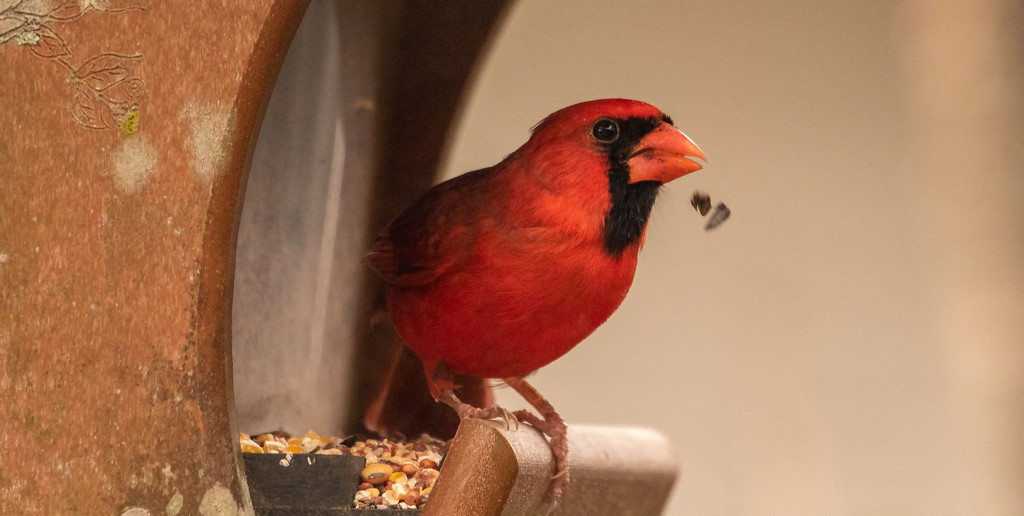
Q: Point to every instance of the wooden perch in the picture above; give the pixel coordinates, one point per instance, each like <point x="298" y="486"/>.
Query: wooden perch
<point x="491" y="470"/>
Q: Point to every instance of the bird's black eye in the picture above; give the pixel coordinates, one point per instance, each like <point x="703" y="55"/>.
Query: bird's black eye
<point x="605" y="130"/>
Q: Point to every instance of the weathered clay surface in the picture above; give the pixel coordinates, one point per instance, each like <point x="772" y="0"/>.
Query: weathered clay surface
<point x="126" y="134"/>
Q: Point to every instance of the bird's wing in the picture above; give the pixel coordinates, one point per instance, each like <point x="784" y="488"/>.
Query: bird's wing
<point x="430" y="237"/>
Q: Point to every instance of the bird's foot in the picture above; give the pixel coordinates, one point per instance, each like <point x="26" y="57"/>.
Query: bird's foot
<point x="465" y="410"/>
<point x="556" y="429"/>
<point x="552" y="425"/>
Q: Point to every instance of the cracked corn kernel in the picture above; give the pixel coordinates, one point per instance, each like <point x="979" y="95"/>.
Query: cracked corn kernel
<point x="249" y="446"/>
<point x="313" y="435"/>
<point x="391" y="498"/>
<point x="364" y="496"/>
<point x="311" y="445"/>
<point x="399" y="491"/>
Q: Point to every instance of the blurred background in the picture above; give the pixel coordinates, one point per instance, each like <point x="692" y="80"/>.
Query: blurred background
<point x="851" y="341"/>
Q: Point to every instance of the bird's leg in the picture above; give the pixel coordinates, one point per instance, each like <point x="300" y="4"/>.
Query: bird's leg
<point x="465" y="410"/>
<point x="442" y="388"/>
<point x="552" y="425"/>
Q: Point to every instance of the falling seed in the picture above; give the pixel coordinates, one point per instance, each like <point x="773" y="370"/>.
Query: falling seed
<point x="701" y="202"/>
<point x="718" y="216"/>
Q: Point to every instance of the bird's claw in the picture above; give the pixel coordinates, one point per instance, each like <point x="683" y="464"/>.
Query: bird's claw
<point x="560" y="474"/>
<point x="465" y="410"/>
<point x="509" y="417"/>
<point x="530" y="418"/>
<point x="555" y="429"/>
<point x="489" y="413"/>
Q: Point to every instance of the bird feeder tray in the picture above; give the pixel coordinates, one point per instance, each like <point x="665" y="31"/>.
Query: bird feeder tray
<point x="307" y="484"/>
<point x="488" y="470"/>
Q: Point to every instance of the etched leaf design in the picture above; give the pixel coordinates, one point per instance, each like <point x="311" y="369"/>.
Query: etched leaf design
<point x="10" y="27"/>
<point x="67" y="10"/>
<point x="86" y="107"/>
<point x="135" y="89"/>
<point x="106" y="70"/>
<point x="50" y="44"/>
<point x="118" y="110"/>
<point x="118" y="5"/>
<point x="123" y="93"/>
<point x="29" y="8"/>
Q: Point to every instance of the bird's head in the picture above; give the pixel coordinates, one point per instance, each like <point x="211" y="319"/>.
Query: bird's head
<point x="615" y="153"/>
<point x="627" y="135"/>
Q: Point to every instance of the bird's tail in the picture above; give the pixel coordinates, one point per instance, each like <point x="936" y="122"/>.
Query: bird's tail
<point x="403" y="404"/>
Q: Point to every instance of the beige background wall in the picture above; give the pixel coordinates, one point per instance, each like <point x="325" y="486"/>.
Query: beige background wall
<point x="850" y="342"/>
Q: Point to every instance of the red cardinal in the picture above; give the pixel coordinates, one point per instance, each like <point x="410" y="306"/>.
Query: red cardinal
<point x="498" y="272"/>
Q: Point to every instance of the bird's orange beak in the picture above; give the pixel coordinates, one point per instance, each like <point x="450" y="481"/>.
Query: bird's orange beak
<point x="663" y="155"/>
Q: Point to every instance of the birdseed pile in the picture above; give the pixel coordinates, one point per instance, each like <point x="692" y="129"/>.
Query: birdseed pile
<point x="397" y="475"/>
